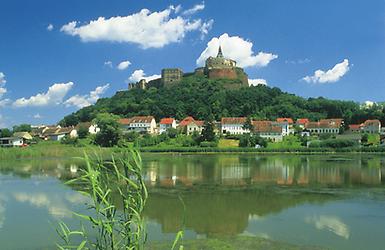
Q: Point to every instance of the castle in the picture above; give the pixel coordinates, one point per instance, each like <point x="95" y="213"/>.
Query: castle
<point x="217" y="67"/>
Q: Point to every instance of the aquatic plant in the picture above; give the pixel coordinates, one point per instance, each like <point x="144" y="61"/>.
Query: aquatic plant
<point x="109" y="184"/>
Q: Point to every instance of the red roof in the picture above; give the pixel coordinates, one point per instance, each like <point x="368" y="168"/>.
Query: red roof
<point x="124" y="121"/>
<point x="266" y="127"/>
<point x="288" y="120"/>
<point x="233" y="120"/>
<point x="136" y="119"/>
<point x="355" y="126"/>
<point x="302" y="121"/>
<point x="167" y="120"/>
<point x="186" y="121"/>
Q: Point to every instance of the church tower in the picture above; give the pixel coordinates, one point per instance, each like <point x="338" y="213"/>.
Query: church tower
<point x="220" y="54"/>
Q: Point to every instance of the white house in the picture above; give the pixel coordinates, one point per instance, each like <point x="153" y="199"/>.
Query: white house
<point x="267" y="130"/>
<point x="165" y="124"/>
<point x="57" y="134"/>
<point x="233" y="125"/>
<point x="325" y="126"/>
<point x="284" y="126"/>
<point x="189" y="125"/>
<point x="140" y="124"/>
<point x="11" y="142"/>
<point x="371" y="127"/>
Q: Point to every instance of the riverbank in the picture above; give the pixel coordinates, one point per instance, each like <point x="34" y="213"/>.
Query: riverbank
<point x="56" y="150"/>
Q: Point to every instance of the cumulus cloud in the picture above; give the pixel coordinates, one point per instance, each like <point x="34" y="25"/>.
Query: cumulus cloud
<point x="139" y="74"/>
<point x="50" y="27"/>
<point x="4" y="102"/>
<point x="238" y="49"/>
<point x="195" y="9"/>
<point x="37" y="116"/>
<point x="332" y="75"/>
<point x="82" y="101"/>
<point x="255" y="82"/>
<point x="53" y="96"/>
<point x="145" y="28"/>
<point x="124" y="65"/>
<point x="3" y="90"/>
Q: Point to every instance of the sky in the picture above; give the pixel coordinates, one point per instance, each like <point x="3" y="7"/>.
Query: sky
<point x="59" y="56"/>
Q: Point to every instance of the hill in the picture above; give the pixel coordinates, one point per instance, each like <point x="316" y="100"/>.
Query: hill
<point x="199" y="97"/>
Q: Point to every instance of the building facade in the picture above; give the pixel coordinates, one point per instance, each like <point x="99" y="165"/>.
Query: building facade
<point x="233" y="125"/>
<point x="171" y="76"/>
<point x="165" y="124"/>
<point x="140" y="124"/>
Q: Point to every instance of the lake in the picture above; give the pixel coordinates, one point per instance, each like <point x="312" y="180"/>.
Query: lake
<point x="331" y="201"/>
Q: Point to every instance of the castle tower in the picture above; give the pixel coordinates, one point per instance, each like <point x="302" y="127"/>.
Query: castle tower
<point x="220" y="54"/>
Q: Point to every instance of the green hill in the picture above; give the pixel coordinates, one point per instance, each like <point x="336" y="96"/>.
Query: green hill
<point x="199" y="97"/>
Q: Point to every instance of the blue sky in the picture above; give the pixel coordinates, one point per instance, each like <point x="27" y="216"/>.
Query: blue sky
<point x="57" y="56"/>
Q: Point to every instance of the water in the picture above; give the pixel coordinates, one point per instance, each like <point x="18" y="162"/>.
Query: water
<point x="336" y="202"/>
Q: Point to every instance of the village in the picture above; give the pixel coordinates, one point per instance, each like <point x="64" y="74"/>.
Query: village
<point x="272" y="131"/>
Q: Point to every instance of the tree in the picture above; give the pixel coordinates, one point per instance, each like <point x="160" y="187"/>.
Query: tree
<point x="248" y="141"/>
<point x="5" y="133"/>
<point x="110" y="133"/>
<point x="83" y="132"/>
<point x="22" y="128"/>
<point x="208" y="133"/>
<point x="248" y="125"/>
<point x="172" y="132"/>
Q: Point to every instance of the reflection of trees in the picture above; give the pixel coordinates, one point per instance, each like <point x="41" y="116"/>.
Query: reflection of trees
<point x="221" y="213"/>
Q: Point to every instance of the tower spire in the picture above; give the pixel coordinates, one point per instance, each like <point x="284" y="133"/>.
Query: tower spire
<point x="220" y="54"/>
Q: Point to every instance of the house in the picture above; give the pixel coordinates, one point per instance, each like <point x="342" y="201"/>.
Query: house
<point x="59" y="133"/>
<point x="234" y="125"/>
<point x="189" y="125"/>
<point x="12" y="142"/>
<point x="371" y="127"/>
<point x="140" y="124"/>
<point x="165" y="124"/>
<point x="25" y="135"/>
<point x="355" y="128"/>
<point x="301" y="122"/>
<point x="287" y="125"/>
<point x="268" y="130"/>
<point x="325" y="126"/>
<point x="288" y="120"/>
<point x="92" y="128"/>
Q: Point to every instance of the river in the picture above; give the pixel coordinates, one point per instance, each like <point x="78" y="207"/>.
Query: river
<point x="331" y="201"/>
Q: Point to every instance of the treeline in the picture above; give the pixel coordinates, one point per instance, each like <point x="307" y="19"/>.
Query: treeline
<point x="200" y="97"/>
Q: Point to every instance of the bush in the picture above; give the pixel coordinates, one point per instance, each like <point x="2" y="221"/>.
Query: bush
<point x="172" y="132"/>
<point x="247" y="141"/>
<point x="82" y="132"/>
<point x="69" y="140"/>
<point x="131" y="136"/>
<point x="338" y="143"/>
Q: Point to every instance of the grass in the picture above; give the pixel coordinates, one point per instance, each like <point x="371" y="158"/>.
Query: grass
<point x="289" y="142"/>
<point x="228" y="143"/>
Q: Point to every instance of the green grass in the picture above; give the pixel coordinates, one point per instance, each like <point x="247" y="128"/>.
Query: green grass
<point x="289" y="142"/>
<point x="228" y="143"/>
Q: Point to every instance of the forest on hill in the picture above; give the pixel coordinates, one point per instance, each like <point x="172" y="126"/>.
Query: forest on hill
<point x="201" y="97"/>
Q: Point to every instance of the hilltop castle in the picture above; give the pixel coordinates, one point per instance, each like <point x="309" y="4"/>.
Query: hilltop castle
<point x="217" y="67"/>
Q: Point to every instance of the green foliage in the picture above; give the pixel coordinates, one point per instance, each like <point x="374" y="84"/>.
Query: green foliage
<point x="69" y="140"/>
<point x="5" y="133"/>
<point x="172" y="132"/>
<point x="131" y="136"/>
<point x="206" y="144"/>
<point x="83" y="132"/>
<point x="249" y="140"/>
<point x="326" y="136"/>
<point x="248" y="124"/>
<point x="22" y="128"/>
<point x="110" y="133"/>
<point x="108" y="184"/>
<point x="334" y="143"/>
<point x="198" y="96"/>
<point x="364" y="138"/>
<point x="208" y="133"/>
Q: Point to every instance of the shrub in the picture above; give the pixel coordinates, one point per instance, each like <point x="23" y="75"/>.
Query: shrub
<point x="83" y="132"/>
<point x="69" y="140"/>
<point x="131" y="136"/>
<point x="208" y="144"/>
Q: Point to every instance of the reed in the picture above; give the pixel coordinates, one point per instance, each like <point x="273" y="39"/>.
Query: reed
<point x="101" y="181"/>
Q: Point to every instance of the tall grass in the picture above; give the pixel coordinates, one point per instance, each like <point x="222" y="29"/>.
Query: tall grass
<point x="114" y="229"/>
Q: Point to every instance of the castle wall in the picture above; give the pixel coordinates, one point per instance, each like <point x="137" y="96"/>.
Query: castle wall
<point x="222" y="73"/>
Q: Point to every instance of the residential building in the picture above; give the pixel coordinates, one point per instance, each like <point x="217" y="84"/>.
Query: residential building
<point x="325" y="126"/>
<point x="25" y="135"/>
<point x="57" y="134"/>
<point x="355" y="128"/>
<point x="287" y="125"/>
<point x="371" y="127"/>
<point x="301" y="122"/>
<point x="140" y="124"/>
<point x="268" y="130"/>
<point x="189" y="125"/>
<point x="12" y="142"/>
<point x="233" y="125"/>
<point x="165" y="124"/>
<point x="92" y="128"/>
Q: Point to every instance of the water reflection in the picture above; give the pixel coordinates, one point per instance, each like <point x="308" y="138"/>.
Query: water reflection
<point x="330" y="223"/>
<point x="245" y="170"/>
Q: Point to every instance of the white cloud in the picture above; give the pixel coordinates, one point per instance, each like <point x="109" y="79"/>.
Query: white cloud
<point x="2" y="78"/>
<point x="108" y="64"/>
<point x="53" y="96"/>
<point x="4" y="102"/>
<point x="82" y="101"/>
<point x="299" y="61"/>
<point x="124" y="65"/>
<point x="195" y="9"/>
<point x="238" y="49"/>
<point x="146" y="28"/>
<point x="37" y="116"/>
<point x="255" y="82"/>
<point x="332" y="75"/>
<point x="139" y="74"/>
<point x="50" y="27"/>
<point x="3" y="90"/>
